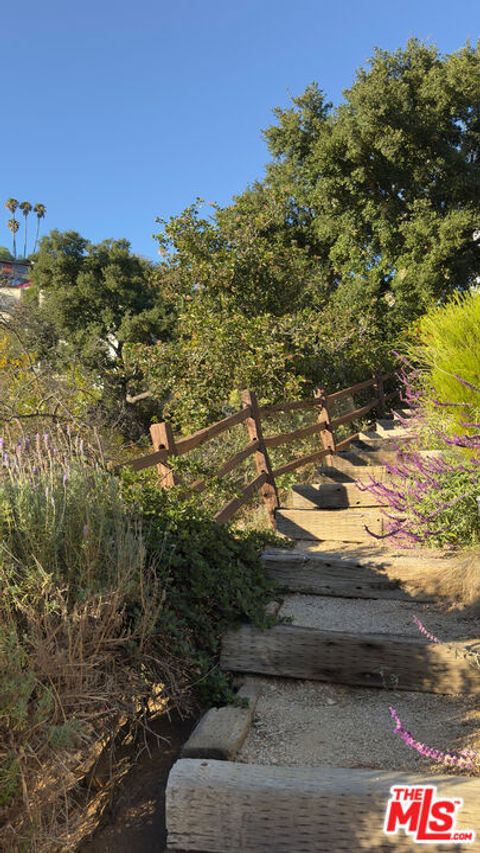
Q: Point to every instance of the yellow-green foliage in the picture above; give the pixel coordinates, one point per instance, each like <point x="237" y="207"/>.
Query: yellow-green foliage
<point x="447" y="346"/>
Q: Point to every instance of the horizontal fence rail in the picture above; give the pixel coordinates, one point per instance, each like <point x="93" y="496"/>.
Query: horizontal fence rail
<point x="166" y="446"/>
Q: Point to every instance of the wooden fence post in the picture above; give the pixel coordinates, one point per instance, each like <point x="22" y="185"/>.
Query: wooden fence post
<point x="262" y="460"/>
<point x="380" y="394"/>
<point x="162" y="436"/>
<point x="327" y="435"/>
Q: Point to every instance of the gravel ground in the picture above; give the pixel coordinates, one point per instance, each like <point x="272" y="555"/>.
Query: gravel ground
<point x="376" y="616"/>
<point x="311" y="724"/>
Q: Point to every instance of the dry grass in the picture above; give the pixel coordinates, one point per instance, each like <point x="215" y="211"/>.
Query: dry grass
<point x="77" y="681"/>
<point x="458" y="582"/>
<point x="84" y="665"/>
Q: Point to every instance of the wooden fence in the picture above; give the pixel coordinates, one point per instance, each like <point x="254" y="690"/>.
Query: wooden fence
<point x="166" y="446"/>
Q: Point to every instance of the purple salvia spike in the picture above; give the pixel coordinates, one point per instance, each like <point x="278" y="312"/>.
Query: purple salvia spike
<point x="424" y="631"/>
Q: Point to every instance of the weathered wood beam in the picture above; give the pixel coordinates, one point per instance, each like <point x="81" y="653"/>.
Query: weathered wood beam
<point x="228" y="807"/>
<point x="358" y="659"/>
<point x="342" y="525"/>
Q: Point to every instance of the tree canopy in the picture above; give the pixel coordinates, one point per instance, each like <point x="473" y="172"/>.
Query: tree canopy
<point x="380" y="194"/>
<point x="94" y="299"/>
<point x="365" y="217"/>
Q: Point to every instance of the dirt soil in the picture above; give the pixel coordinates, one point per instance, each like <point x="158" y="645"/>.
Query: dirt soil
<point x="377" y="617"/>
<point x="305" y="723"/>
<point x="135" y="822"/>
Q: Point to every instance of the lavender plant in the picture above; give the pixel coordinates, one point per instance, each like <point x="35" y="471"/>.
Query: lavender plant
<point x="80" y="645"/>
<point x="62" y="510"/>
<point x="432" y="499"/>
<point x="464" y="759"/>
<point x="115" y="595"/>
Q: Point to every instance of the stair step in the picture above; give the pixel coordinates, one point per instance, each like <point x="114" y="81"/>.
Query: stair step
<point x="350" y="465"/>
<point x="362" y="454"/>
<point x="353" y="658"/>
<point x="393" y="430"/>
<point x="352" y="473"/>
<point x="369" y="436"/>
<point x="338" y="580"/>
<point x="329" y="496"/>
<point x="227" y="807"/>
<point x="344" y="525"/>
<point x="367" y="615"/>
<point x="423" y="573"/>
<point x="369" y="443"/>
<point x="312" y="724"/>
<point x="400" y="413"/>
<point x="404" y="565"/>
<point x="377" y="440"/>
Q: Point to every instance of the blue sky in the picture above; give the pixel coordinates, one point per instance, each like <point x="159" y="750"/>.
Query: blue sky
<point x="115" y="111"/>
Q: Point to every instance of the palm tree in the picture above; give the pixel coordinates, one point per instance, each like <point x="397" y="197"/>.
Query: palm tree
<point x="11" y="204"/>
<point x="26" y="208"/>
<point x="14" y="225"/>
<point x="40" y="210"/>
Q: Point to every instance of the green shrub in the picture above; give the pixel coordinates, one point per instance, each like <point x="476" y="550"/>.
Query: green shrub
<point x="445" y="343"/>
<point x="115" y="595"/>
<point x="212" y="575"/>
<point x="448" y="510"/>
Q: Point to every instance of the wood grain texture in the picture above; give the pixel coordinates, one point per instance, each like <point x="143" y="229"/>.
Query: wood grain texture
<point x="329" y="496"/>
<point x="226" y="512"/>
<point x="314" y="577"/>
<point x="354" y="416"/>
<point x="354" y="389"/>
<point x="327" y="435"/>
<point x="352" y="473"/>
<point x="286" y="406"/>
<point x="200" y="485"/>
<point x="343" y="525"/>
<point x="227" y="807"/>
<point x="295" y="435"/>
<point x="357" y="659"/>
<point x="163" y="439"/>
<point x="301" y="462"/>
<point x="184" y="445"/>
<point x="221" y="731"/>
<point x="263" y="465"/>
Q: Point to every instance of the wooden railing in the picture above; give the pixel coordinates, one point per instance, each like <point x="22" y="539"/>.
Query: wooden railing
<point x="166" y="446"/>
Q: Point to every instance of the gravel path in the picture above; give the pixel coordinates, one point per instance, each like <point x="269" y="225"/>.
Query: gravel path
<point x="312" y="724"/>
<point x="376" y="616"/>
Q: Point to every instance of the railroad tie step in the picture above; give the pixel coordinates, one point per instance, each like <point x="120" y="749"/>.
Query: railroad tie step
<point x="344" y="525"/>
<point x="329" y="496"/>
<point x="295" y="572"/>
<point x="350" y="473"/>
<point x="224" y="806"/>
<point x="364" y="659"/>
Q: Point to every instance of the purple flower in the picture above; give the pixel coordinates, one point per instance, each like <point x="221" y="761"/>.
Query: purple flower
<point x="423" y="630"/>
<point x="466" y="384"/>
<point x="464" y="758"/>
